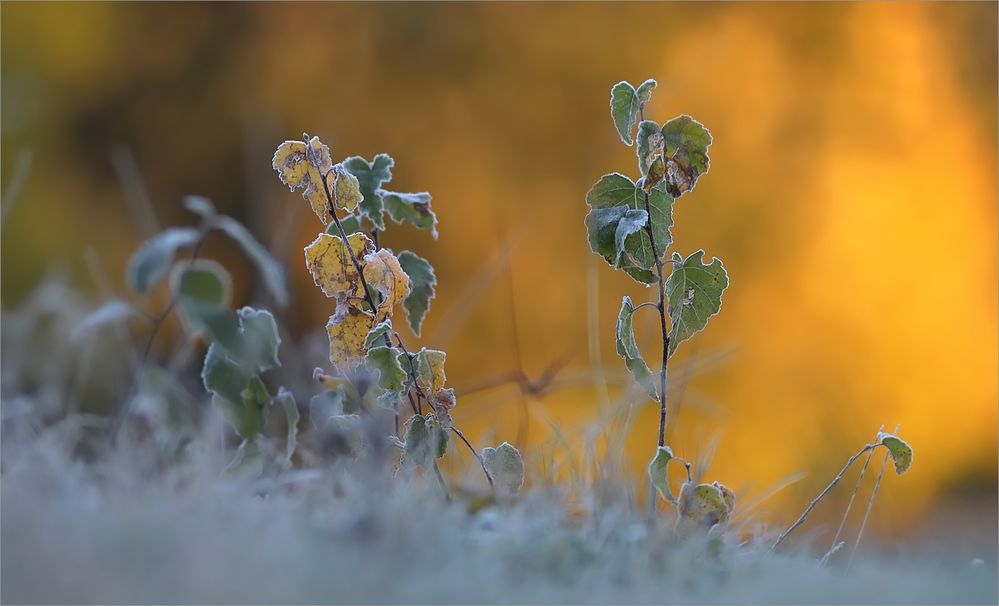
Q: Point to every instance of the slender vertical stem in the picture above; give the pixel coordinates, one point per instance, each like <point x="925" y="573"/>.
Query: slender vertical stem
<point x="661" y="306"/>
<point x="870" y="505"/>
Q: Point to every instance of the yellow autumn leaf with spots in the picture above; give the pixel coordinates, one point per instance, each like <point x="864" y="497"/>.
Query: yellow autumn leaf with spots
<point x="348" y="190"/>
<point x="430" y="375"/>
<point x="304" y="167"/>
<point x="383" y="273"/>
<point x="347" y="332"/>
<point x="328" y="260"/>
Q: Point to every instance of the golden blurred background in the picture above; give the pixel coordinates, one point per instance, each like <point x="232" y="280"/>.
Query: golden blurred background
<point x="852" y="197"/>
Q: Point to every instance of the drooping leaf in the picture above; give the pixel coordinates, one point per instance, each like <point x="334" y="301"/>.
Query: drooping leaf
<point x="226" y="380"/>
<point x="287" y="401"/>
<point x="650" y="144"/>
<point x="899" y="449"/>
<point x="627" y="348"/>
<point x="347" y="338"/>
<point x="624" y="109"/>
<point x="615" y="191"/>
<point x="371" y="176"/>
<point x="694" y="291"/>
<point x="260" y="338"/>
<point x="270" y="270"/>
<point x="704" y="505"/>
<point x="425" y="439"/>
<point x="200" y="205"/>
<point x="385" y="360"/>
<point x="423" y="285"/>
<point x="383" y="273"/>
<point x="151" y="261"/>
<point x="376" y="336"/>
<point x="430" y="375"/>
<point x="686" y="151"/>
<point x="306" y="167"/>
<point x="329" y="262"/>
<point x="658" y="468"/>
<point x="414" y="208"/>
<point x="348" y="191"/>
<point x="506" y="468"/>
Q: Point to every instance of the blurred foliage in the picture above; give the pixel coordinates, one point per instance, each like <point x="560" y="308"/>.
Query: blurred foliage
<point x="852" y="195"/>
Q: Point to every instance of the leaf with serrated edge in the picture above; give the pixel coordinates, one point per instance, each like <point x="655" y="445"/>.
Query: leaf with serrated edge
<point x="371" y="177"/>
<point x="627" y="348"/>
<point x="151" y="261"/>
<point x="695" y="292"/>
<point x="506" y="468"/>
<point x="299" y="169"/>
<point x="424" y="283"/>
<point x="414" y="208"/>
<point x="658" y="468"/>
<point x="383" y="273"/>
<point x="686" y="143"/>
<point x="391" y="376"/>
<point x="624" y="109"/>
<point x="347" y="338"/>
<point x="899" y="449"/>
<point x="328" y="260"/>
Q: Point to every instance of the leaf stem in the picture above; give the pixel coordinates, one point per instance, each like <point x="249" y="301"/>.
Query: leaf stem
<point x="458" y="433"/>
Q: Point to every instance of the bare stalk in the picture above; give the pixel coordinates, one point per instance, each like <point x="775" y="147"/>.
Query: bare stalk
<point x="870" y="505"/>
<point x="856" y="487"/>
<point x="815" y="501"/>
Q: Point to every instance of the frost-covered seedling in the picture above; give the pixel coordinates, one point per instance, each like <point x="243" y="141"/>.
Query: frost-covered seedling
<point x="630" y="225"/>
<point x="242" y="344"/>
<point x="373" y="371"/>
<point x="895" y="448"/>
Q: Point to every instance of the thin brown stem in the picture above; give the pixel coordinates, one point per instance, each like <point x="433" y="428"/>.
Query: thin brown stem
<point x="815" y="501"/>
<point x="475" y="453"/>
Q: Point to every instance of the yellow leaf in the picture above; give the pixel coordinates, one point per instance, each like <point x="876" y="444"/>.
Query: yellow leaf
<point x="348" y="190"/>
<point x="383" y="273"/>
<point x="347" y="338"/>
<point x="300" y="169"/>
<point x="430" y="375"/>
<point x="329" y="263"/>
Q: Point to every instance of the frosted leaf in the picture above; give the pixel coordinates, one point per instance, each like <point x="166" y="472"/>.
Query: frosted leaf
<point x="899" y="449"/>
<point x="506" y="468"/>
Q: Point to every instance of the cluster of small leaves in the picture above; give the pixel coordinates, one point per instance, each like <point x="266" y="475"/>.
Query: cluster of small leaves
<point x="630" y="225"/>
<point x="242" y="344"/>
<point x="367" y="284"/>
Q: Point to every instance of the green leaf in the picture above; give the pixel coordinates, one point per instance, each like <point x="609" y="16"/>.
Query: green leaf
<point x="260" y="338"/>
<point x="658" y="468"/>
<point x="423" y="284"/>
<point x="686" y="143"/>
<point x="627" y="348"/>
<point x="375" y="335"/>
<point x="287" y="401"/>
<point x="202" y="280"/>
<point x="624" y="109"/>
<point x="151" y="261"/>
<point x="705" y="505"/>
<point x="900" y="451"/>
<point x="617" y="192"/>
<point x="430" y="377"/>
<point x="694" y="291"/>
<point x="371" y="176"/>
<point x="218" y="324"/>
<point x="270" y="270"/>
<point x="650" y="144"/>
<point x="350" y="224"/>
<point x="644" y="92"/>
<point x="391" y="375"/>
<point x="347" y="191"/>
<point x="506" y="468"/>
<point x="324" y="405"/>
<point x="425" y="439"/>
<point x="226" y="380"/>
<point x="200" y="205"/>
<point x="414" y="208"/>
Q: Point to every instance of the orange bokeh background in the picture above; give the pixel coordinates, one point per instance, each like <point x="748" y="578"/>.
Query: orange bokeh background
<point x="852" y="196"/>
